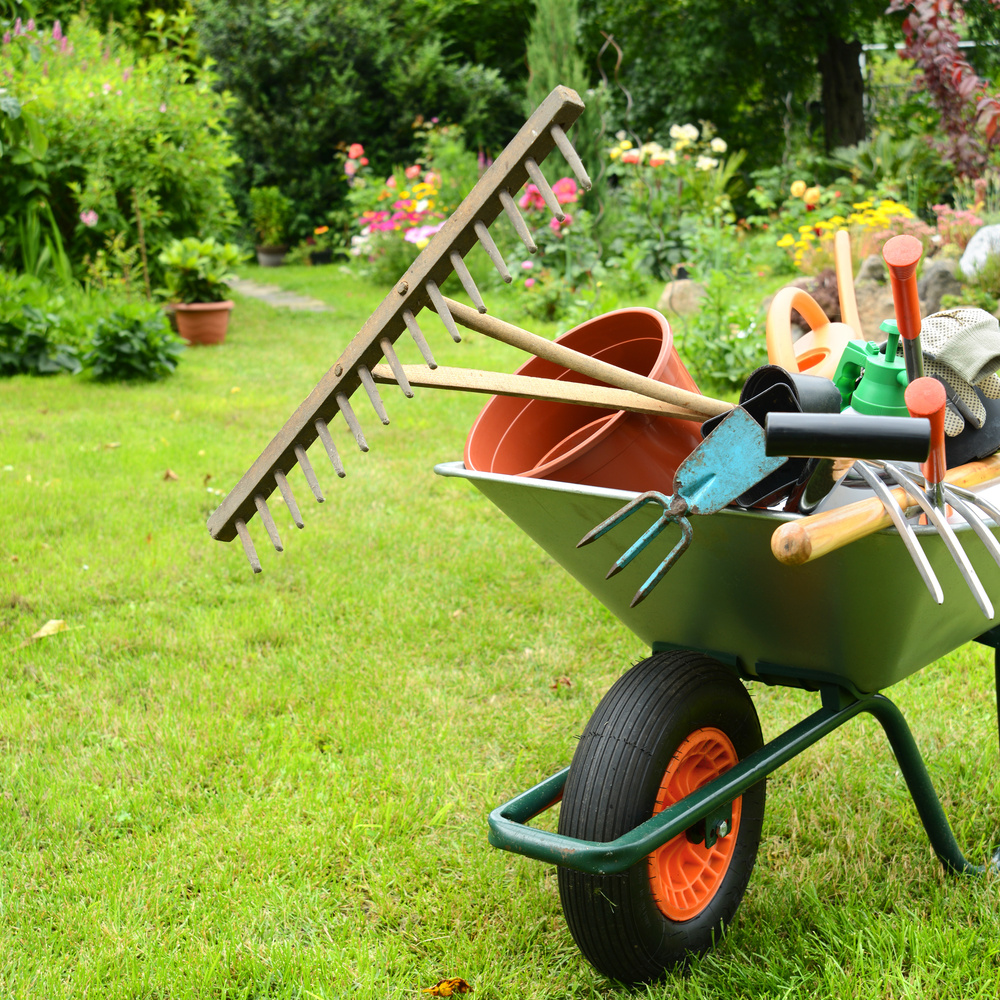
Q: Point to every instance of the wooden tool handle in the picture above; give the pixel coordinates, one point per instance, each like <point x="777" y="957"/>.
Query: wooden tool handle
<point x="583" y="363"/>
<point x="808" y="538"/>
<point x="527" y="387"/>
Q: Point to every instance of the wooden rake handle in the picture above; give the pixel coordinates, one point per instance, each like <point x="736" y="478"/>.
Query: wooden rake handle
<point x="808" y="538"/>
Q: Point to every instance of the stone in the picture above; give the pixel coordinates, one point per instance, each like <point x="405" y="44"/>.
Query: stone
<point x="681" y="297"/>
<point x="875" y="304"/>
<point x="872" y="270"/>
<point x="984" y="243"/>
<point x="937" y="281"/>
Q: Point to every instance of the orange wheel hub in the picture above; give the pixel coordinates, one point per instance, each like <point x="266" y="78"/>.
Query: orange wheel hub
<point x="686" y="876"/>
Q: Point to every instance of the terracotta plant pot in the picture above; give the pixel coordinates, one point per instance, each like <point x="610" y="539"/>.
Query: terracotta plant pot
<point x="271" y="256"/>
<point x="582" y="444"/>
<point x="203" y="322"/>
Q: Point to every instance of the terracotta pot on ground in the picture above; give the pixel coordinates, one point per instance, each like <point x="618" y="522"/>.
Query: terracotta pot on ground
<point x="271" y="256"/>
<point x="203" y="322"/>
<point x="582" y="444"/>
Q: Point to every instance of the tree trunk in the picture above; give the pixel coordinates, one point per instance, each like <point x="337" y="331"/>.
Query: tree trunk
<point x="843" y="93"/>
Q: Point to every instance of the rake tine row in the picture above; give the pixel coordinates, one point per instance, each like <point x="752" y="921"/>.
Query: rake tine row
<point x="944" y="529"/>
<point x="418" y="288"/>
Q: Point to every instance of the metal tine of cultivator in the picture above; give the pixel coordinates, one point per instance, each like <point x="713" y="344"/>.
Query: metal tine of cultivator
<point x="517" y="221"/>
<point x="906" y="532"/>
<point x="269" y="526"/>
<point x="397" y="369"/>
<point x="491" y="251"/>
<point x="352" y="421"/>
<point x="548" y="195"/>
<point x="307" y="470"/>
<point x="944" y="529"/>
<point x="374" y="398"/>
<point x="441" y="308"/>
<point x="419" y="286"/>
<point x="975" y="522"/>
<point x="571" y="156"/>
<point x="462" y="270"/>
<point x="251" y="552"/>
<point x="331" y="450"/>
<point x="419" y="339"/>
<point x="288" y="497"/>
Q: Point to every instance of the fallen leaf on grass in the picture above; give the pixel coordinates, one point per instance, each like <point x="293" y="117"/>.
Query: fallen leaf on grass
<point x="207" y="477"/>
<point x="170" y="475"/>
<point x="111" y="445"/>
<point x="52" y="626"/>
<point x="448" y="987"/>
<point x="561" y="682"/>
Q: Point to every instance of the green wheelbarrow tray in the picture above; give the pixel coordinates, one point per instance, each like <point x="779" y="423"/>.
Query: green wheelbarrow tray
<point x="847" y="625"/>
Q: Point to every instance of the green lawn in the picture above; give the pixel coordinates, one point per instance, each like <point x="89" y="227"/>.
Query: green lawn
<point x="218" y="785"/>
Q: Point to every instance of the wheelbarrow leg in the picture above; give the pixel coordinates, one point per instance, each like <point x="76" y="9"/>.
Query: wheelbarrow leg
<point x="924" y="797"/>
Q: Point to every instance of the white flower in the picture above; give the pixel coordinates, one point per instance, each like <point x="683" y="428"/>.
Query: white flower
<point x="718" y="145"/>
<point x="705" y="163"/>
<point x="621" y="134"/>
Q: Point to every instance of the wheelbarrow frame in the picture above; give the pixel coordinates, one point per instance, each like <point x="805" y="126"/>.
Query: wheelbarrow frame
<point x="844" y="691"/>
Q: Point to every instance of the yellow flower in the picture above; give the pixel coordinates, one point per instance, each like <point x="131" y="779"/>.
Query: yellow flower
<point x="624" y="144"/>
<point x="786" y="241"/>
<point x="798" y="189"/>
<point x="806" y="229"/>
<point x="811" y="196"/>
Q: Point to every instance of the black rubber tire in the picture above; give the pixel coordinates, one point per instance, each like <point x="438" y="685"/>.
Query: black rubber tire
<point x="612" y="786"/>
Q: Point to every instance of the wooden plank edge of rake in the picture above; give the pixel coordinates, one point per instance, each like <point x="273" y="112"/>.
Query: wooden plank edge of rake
<point x="469" y="224"/>
<point x="805" y="539"/>
<point x="529" y="387"/>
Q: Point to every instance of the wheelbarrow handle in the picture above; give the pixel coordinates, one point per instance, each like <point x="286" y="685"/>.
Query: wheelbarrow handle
<point x="807" y="538"/>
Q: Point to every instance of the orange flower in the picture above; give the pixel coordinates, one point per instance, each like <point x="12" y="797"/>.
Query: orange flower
<point x="320" y="230"/>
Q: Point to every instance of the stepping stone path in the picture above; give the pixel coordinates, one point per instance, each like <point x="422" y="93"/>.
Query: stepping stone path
<point x="278" y="297"/>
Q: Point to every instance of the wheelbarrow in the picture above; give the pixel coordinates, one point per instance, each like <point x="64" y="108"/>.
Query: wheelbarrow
<point x="662" y="804"/>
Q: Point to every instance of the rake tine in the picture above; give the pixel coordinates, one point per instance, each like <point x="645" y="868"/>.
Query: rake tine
<point x="548" y="195"/>
<point x="570" y="154"/>
<point x="467" y="283"/>
<point x="418" y="337"/>
<point x="269" y="526"/>
<point x="619" y="515"/>
<point x="331" y="450"/>
<point x="975" y="522"/>
<point x="288" y="497"/>
<point x="397" y="369"/>
<point x="661" y="571"/>
<point x="639" y="544"/>
<point x="906" y="532"/>
<point x="441" y="308"/>
<point x="516" y="221"/>
<point x="251" y="552"/>
<point x="491" y="250"/>
<point x="352" y="421"/>
<point x="307" y="469"/>
<point x="976" y="500"/>
<point x="947" y="536"/>
<point x="376" y="400"/>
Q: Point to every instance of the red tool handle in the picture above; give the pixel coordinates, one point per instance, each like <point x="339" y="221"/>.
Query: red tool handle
<point x="902" y="254"/>
<point x="926" y="397"/>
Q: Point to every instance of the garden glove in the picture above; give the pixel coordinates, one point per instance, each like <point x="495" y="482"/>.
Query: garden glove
<point x="961" y="349"/>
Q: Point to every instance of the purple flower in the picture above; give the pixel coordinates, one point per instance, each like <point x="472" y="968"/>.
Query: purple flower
<point x="57" y="32"/>
<point x="6" y="38"/>
<point x="89" y="218"/>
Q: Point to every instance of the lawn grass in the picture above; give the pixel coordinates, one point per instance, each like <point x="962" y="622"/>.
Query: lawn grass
<point x="220" y="785"/>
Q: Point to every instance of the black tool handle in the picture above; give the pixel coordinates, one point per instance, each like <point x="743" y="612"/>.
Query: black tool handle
<point x="847" y="435"/>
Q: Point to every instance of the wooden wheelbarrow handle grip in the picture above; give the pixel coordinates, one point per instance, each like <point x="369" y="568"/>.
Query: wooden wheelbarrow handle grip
<point x="808" y="538"/>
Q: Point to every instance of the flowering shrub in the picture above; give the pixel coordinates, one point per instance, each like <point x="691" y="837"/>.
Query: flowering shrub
<point x="119" y="137"/>
<point x="956" y="226"/>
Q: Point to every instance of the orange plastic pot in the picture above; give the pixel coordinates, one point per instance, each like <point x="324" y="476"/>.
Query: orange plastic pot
<point x="585" y="444"/>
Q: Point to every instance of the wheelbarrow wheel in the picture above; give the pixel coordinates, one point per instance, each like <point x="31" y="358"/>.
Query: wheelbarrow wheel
<point x="671" y="724"/>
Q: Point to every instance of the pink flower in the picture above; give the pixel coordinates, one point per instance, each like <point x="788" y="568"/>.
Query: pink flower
<point x="106" y="87"/>
<point x="351" y="167"/>
<point x="565" y="191"/>
<point x="532" y="198"/>
<point x="631" y="156"/>
<point x="363" y="161"/>
<point x="57" y="32"/>
<point x="412" y="172"/>
<point x="432" y="178"/>
<point x="556" y="226"/>
<point x="163" y="108"/>
<point x="528" y="282"/>
<point x="89" y="218"/>
<point x="527" y="264"/>
<point x="6" y="38"/>
<point x="355" y="151"/>
<point x="390" y="182"/>
<point x="421" y="233"/>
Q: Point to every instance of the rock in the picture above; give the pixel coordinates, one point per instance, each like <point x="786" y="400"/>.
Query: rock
<point x="681" y="297"/>
<point x="984" y="243"/>
<point x="823" y="288"/>
<point x="874" y="305"/>
<point x="937" y="281"/>
<point x="872" y="270"/>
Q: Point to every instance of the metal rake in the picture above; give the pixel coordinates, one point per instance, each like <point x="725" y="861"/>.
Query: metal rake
<point x="419" y="286"/>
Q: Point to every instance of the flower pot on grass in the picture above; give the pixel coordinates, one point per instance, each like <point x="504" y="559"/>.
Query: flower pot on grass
<point x="203" y="322"/>
<point x="270" y="212"/>
<point x="271" y="256"/>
